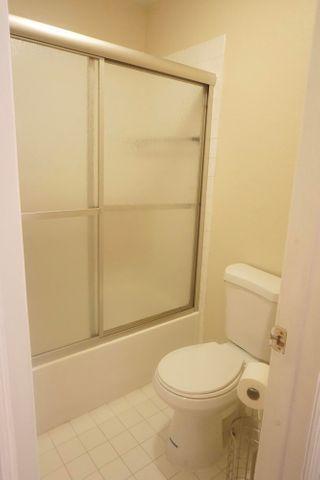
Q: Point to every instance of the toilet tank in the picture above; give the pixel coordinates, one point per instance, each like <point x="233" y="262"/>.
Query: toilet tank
<point x="251" y="305"/>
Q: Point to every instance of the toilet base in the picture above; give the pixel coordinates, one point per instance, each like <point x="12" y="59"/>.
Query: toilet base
<point x="195" y="441"/>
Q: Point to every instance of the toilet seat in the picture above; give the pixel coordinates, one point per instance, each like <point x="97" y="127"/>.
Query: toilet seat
<point x="202" y="371"/>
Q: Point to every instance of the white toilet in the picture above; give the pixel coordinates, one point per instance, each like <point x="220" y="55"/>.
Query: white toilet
<point x="199" y="381"/>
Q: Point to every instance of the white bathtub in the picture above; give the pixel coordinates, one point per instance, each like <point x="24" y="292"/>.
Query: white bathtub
<point x="70" y="386"/>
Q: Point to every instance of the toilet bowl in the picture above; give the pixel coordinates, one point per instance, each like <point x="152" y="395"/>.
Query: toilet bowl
<point x="201" y="397"/>
<point x="200" y="381"/>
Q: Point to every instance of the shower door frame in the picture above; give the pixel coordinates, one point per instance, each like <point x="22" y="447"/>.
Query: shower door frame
<point x="50" y="36"/>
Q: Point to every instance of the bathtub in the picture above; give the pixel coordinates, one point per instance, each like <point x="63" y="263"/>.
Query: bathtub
<point x="70" y="386"/>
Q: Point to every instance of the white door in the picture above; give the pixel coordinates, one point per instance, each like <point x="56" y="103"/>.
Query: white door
<point x="294" y="375"/>
<point x="17" y="422"/>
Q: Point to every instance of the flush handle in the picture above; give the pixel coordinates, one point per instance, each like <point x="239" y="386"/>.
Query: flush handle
<point x="278" y="339"/>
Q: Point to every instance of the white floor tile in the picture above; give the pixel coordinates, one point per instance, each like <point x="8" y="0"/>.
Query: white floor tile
<point x="130" y="417"/>
<point x="220" y="476"/>
<point x="95" y="476"/>
<point x="147" y="408"/>
<point x="62" y="433"/>
<point x="82" y="424"/>
<point x="44" y="444"/>
<point x="150" y="472"/>
<point x="208" y="473"/>
<point x="159" y="421"/>
<point x="142" y="431"/>
<point x="112" y="427"/>
<point x="159" y="402"/>
<point x="115" y="470"/>
<point x="166" y="467"/>
<point x="103" y="454"/>
<point x="136" y="459"/>
<point x="154" y="447"/>
<point x="135" y="397"/>
<point x="184" y="476"/>
<point x="49" y="462"/>
<point x="169" y="412"/>
<point x="81" y="467"/>
<point x="60" y="474"/>
<point x="123" y="442"/>
<point x="92" y="438"/>
<point x="71" y="449"/>
<point x="101" y="414"/>
<point x="148" y="390"/>
<point x="120" y="405"/>
<point x="164" y="433"/>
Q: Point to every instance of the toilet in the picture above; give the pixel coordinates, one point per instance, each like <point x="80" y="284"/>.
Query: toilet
<point x="199" y="382"/>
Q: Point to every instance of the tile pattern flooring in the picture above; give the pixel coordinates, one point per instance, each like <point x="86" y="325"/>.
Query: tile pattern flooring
<point x="122" y="440"/>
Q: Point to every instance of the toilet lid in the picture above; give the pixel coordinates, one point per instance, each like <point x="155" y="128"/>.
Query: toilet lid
<point x="201" y="369"/>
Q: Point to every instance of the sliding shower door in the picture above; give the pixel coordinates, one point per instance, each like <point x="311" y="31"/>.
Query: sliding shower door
<point x="110" y="161"/>
<point x="152" y="131"/>
<point x="56" y="115"/>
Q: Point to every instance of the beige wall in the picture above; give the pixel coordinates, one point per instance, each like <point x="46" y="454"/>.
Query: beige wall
<point x="267" y="49"/>
<point x="118" y="21"/>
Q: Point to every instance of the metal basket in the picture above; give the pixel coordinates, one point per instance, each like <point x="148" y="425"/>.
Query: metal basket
<point x="243" y="448"/>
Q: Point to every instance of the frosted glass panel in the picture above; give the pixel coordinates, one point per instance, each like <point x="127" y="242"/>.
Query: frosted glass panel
<point x="55" y="116"/>
<point x="145" y="226"/>
<point x="148" y="263"/>
<point x="60" y="262"/>
<point x="153" y="127"/>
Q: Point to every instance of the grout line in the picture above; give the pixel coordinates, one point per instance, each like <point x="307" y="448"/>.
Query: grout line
<point x="108" y="441"/>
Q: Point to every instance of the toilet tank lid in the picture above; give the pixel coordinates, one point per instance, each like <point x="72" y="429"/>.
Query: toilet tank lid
<point x="257" y="281"/>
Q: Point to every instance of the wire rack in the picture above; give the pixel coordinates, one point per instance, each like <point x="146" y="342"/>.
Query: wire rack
<point x="243" y="447"/>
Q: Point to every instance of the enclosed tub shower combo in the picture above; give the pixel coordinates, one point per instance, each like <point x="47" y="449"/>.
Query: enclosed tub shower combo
<point x="113" y="149"/>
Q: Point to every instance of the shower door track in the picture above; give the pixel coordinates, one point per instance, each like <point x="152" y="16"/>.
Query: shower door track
<point x="51" y="35"/>
<point x="29" y="30"/>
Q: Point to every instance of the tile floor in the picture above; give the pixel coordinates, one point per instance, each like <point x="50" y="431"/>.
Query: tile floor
<point x="122" y="440"/>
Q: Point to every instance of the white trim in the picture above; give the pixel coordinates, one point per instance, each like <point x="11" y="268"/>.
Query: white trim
<point x="311" y="470"/>
<point x="17" y="420"/>
<point x="293" y="376"/>
<point x="8" y="460"/>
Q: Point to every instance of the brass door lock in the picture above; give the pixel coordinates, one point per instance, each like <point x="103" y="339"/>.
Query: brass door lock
<point x="278" y="339"/>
